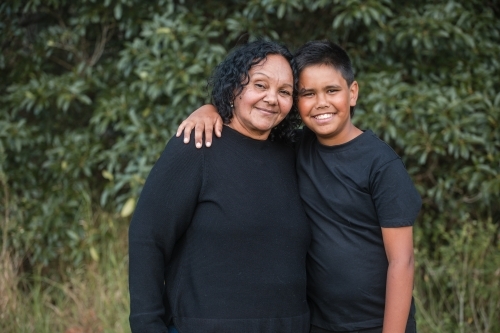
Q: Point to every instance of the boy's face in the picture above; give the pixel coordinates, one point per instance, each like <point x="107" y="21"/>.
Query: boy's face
<point x="324" y="102"/>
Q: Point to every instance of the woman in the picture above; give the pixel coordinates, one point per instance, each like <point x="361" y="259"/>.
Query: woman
<point x="218" y="240"/>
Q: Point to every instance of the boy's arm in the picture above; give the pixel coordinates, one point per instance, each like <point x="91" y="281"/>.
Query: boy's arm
<point x="398" y="243"/>
<point x="206" y="120"/>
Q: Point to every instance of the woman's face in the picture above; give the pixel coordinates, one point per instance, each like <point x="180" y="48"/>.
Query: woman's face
<point x="265" y="100"/>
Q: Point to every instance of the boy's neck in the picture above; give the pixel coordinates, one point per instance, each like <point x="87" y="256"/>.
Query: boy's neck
<point x="347" y="135"/>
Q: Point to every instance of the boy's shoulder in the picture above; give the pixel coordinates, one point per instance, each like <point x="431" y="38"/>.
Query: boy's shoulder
<point x="371" y="140"/>
<point x="374" y="151"/>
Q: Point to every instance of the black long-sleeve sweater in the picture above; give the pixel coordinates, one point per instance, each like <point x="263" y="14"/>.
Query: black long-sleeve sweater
<point x="218" y="241"/>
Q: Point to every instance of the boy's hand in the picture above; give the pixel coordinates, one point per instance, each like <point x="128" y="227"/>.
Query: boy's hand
<point x="204" y="120"/>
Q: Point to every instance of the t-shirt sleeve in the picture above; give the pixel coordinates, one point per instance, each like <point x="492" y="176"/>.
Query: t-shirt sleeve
<point x="396" y="199"/>
<point x="163" y="213"/>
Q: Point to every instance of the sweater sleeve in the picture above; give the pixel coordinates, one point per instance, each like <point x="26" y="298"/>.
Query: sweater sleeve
<point x="163" y="213"/>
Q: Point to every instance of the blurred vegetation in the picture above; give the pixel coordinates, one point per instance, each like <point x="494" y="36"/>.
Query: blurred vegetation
<point x="91" y="91"/>
<point x="92" y="298"/>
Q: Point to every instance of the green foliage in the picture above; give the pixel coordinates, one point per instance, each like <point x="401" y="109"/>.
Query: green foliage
<point x="91" y="91"/>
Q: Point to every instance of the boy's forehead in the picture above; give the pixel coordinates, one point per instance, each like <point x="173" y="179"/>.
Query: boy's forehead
<point x="320" y="73"/>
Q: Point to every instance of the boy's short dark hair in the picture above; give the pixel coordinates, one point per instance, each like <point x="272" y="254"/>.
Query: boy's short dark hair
<point x="323" y="52"/>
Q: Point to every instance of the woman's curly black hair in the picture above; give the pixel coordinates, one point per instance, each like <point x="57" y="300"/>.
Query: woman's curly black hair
<point x="231" y="76"/>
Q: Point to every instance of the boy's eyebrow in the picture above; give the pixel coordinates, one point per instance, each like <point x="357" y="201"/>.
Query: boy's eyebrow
<point x="333" y="86"/>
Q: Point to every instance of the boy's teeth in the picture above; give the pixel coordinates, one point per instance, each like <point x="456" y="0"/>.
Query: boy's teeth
<point x="323" y="116"/>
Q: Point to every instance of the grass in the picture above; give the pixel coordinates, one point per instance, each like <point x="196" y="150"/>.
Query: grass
<point x="90" y="299"/>
<point x="457" y="293"/>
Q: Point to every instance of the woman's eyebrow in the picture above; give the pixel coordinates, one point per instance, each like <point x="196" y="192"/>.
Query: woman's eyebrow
<point x="285" y="84"/>
<point x="260" y="74"/>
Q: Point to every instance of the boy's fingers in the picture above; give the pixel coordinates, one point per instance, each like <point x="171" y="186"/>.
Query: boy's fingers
<point x="208" y="137"/>
<point x="186" y="126"/>
<point x="218" y="127"/>
<point x="198" y="134"/>
<point x="187" y="133"/>
<point x="180" y="129"/>
<point x="209" y="128"/>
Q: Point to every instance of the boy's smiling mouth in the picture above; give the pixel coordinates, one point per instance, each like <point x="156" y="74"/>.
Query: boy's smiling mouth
<point x="323" y="116"/>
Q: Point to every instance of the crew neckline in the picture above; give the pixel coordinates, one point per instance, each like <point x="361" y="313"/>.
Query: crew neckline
<point x="343" y="146"/>
<point x="244" y="138"/>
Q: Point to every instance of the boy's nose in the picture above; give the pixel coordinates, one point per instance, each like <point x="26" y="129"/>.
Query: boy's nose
<point x="321" y="102"/>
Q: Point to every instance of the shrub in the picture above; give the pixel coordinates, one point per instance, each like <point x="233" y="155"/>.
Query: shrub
<point x="92" y="91"/>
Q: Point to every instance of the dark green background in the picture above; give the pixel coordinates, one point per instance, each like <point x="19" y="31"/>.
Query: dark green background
<point x="91" y="91"/>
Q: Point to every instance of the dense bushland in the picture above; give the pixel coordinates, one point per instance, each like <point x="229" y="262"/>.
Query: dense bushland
<point x="91" y="91"/>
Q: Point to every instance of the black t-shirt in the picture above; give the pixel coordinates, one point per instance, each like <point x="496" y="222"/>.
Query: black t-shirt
<point x="349" y="192"/>
<point x="220" y="233"/>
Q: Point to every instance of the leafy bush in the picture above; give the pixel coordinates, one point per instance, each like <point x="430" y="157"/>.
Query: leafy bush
<point x="91" y="92"/>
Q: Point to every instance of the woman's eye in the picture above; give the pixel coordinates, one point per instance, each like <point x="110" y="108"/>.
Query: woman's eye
<point x="285" y="92"/>
<point x="258" y="85"/>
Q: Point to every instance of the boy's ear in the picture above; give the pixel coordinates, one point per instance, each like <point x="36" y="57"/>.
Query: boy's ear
<point x="353" y="93"/>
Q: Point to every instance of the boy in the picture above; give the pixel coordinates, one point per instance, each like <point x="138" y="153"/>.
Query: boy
<point x="360" y="201"/>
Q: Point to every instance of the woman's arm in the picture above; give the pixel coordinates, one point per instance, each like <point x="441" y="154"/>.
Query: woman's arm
<point x="163" y="213"/>
<point x="398" y="243"/>
<point x="204" y="120"/>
